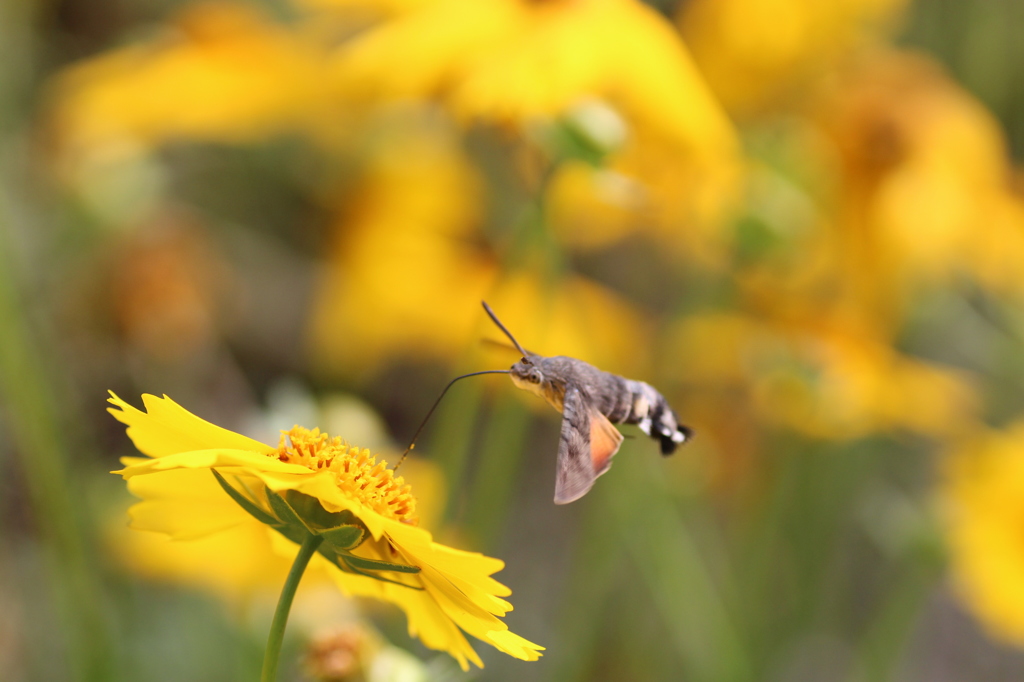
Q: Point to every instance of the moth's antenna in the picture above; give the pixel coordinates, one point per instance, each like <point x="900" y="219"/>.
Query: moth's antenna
<point x="502" y="328"/>
<point x="416" y="435"/>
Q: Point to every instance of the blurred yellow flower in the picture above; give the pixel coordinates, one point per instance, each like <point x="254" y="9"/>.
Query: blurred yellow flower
<point x="983" y="497"/>
<point x="653" y="190"/>
<point x="925" y="191"/>
<point x="411" y="261"/>
<point x="224" y="73"/>
<point x="893" y="183"/>
<point x="377" y="7"/>
<point x="674" y="167"/>
<point x="406" y="259"/>
<point x="755" y="51"/>
<point x="310" y="481"/>
<point x="513" y="60"/>
<point x="827" y="381"/>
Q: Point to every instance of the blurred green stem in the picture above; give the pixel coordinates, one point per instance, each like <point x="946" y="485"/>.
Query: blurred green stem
<point x="36" y="431"/>
<point x="457" y="422"/>
<point x="885" y="641"/>
<point x="26" y="392"/>
<point x="284" y="606"/>
<point x="533" y="237"/>
<point x="587" y="599"/>
<point x="495" y="478"/>
<point x="651" y="529"/>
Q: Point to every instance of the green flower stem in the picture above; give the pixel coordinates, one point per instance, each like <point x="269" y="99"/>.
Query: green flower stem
<point x="284" y="606"/>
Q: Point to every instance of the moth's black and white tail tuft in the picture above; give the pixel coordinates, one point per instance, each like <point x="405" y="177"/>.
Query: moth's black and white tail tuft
<point x="671" y="441"/>
<point x="649" y="410"/>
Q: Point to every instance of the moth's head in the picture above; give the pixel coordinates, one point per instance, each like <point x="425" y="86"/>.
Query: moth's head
<point x="527" y="374"/>
<point x="535" y="374"/>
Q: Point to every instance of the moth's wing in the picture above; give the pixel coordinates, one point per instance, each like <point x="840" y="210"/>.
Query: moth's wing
<point x="587" y="443"/>
<point x="605" y="440"/>
<point x="575" y="473"/>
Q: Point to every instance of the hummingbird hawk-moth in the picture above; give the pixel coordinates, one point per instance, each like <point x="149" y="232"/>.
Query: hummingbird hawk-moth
<point x="591" y="401"/>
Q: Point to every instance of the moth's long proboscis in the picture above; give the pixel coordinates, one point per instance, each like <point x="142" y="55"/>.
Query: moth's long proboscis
<point x="437" y="402"/>
<point x="496" y="321"/>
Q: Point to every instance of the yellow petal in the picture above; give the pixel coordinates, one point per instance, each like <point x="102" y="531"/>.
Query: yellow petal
<point x="183" y="503"/>
<point x="457" y="593"/>
<point x="467" y="613"/>
<point x="426" y="620"/>
<point x="231" y="563"/>
<point x="514" y="645"/>
<point x="417" y="540"/>
<point x="469" y="571"/>
<point x="244" y="461"/>
<point x="166" y="428"/>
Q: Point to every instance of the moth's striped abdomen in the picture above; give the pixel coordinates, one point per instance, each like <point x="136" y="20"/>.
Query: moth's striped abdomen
<point x="651" y="412"/>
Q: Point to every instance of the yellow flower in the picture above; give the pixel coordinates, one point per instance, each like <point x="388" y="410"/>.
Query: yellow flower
<point x="241" y="564"/>
<point x="417" y="210"/>
<point x="373" y="7"/>
<point x="226" y="73"/>
<point x="675" y="157"/>
<point x="513" y="60"/>
<point x="313" y="483"/>
<point x="649" y="189"/>
<point x="925" y="190"/>
<point x="754" y="51"/>
<point x="825" y="379"/>
<point x="983" y="496"/>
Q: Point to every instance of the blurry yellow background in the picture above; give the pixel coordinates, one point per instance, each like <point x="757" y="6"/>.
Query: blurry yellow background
<point x="801" y="220"/>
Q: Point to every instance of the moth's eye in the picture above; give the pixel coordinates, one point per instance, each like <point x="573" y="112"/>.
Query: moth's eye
<point x="534" y="377"/>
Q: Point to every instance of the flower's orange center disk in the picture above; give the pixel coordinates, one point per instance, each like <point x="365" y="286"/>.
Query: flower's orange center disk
<point x="356" y="472"/>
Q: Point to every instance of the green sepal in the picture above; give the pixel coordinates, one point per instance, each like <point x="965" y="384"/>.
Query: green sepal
<point x="244" y="502"/>
<point x="313" y="514"/>
<point x="285" y="513"/>
<point x="338" y="559"/>
<point x="349" y="568"/>
<point x="374" y="565"/>
<point x="290" y="524"/>
<point x="343" y="537"/>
